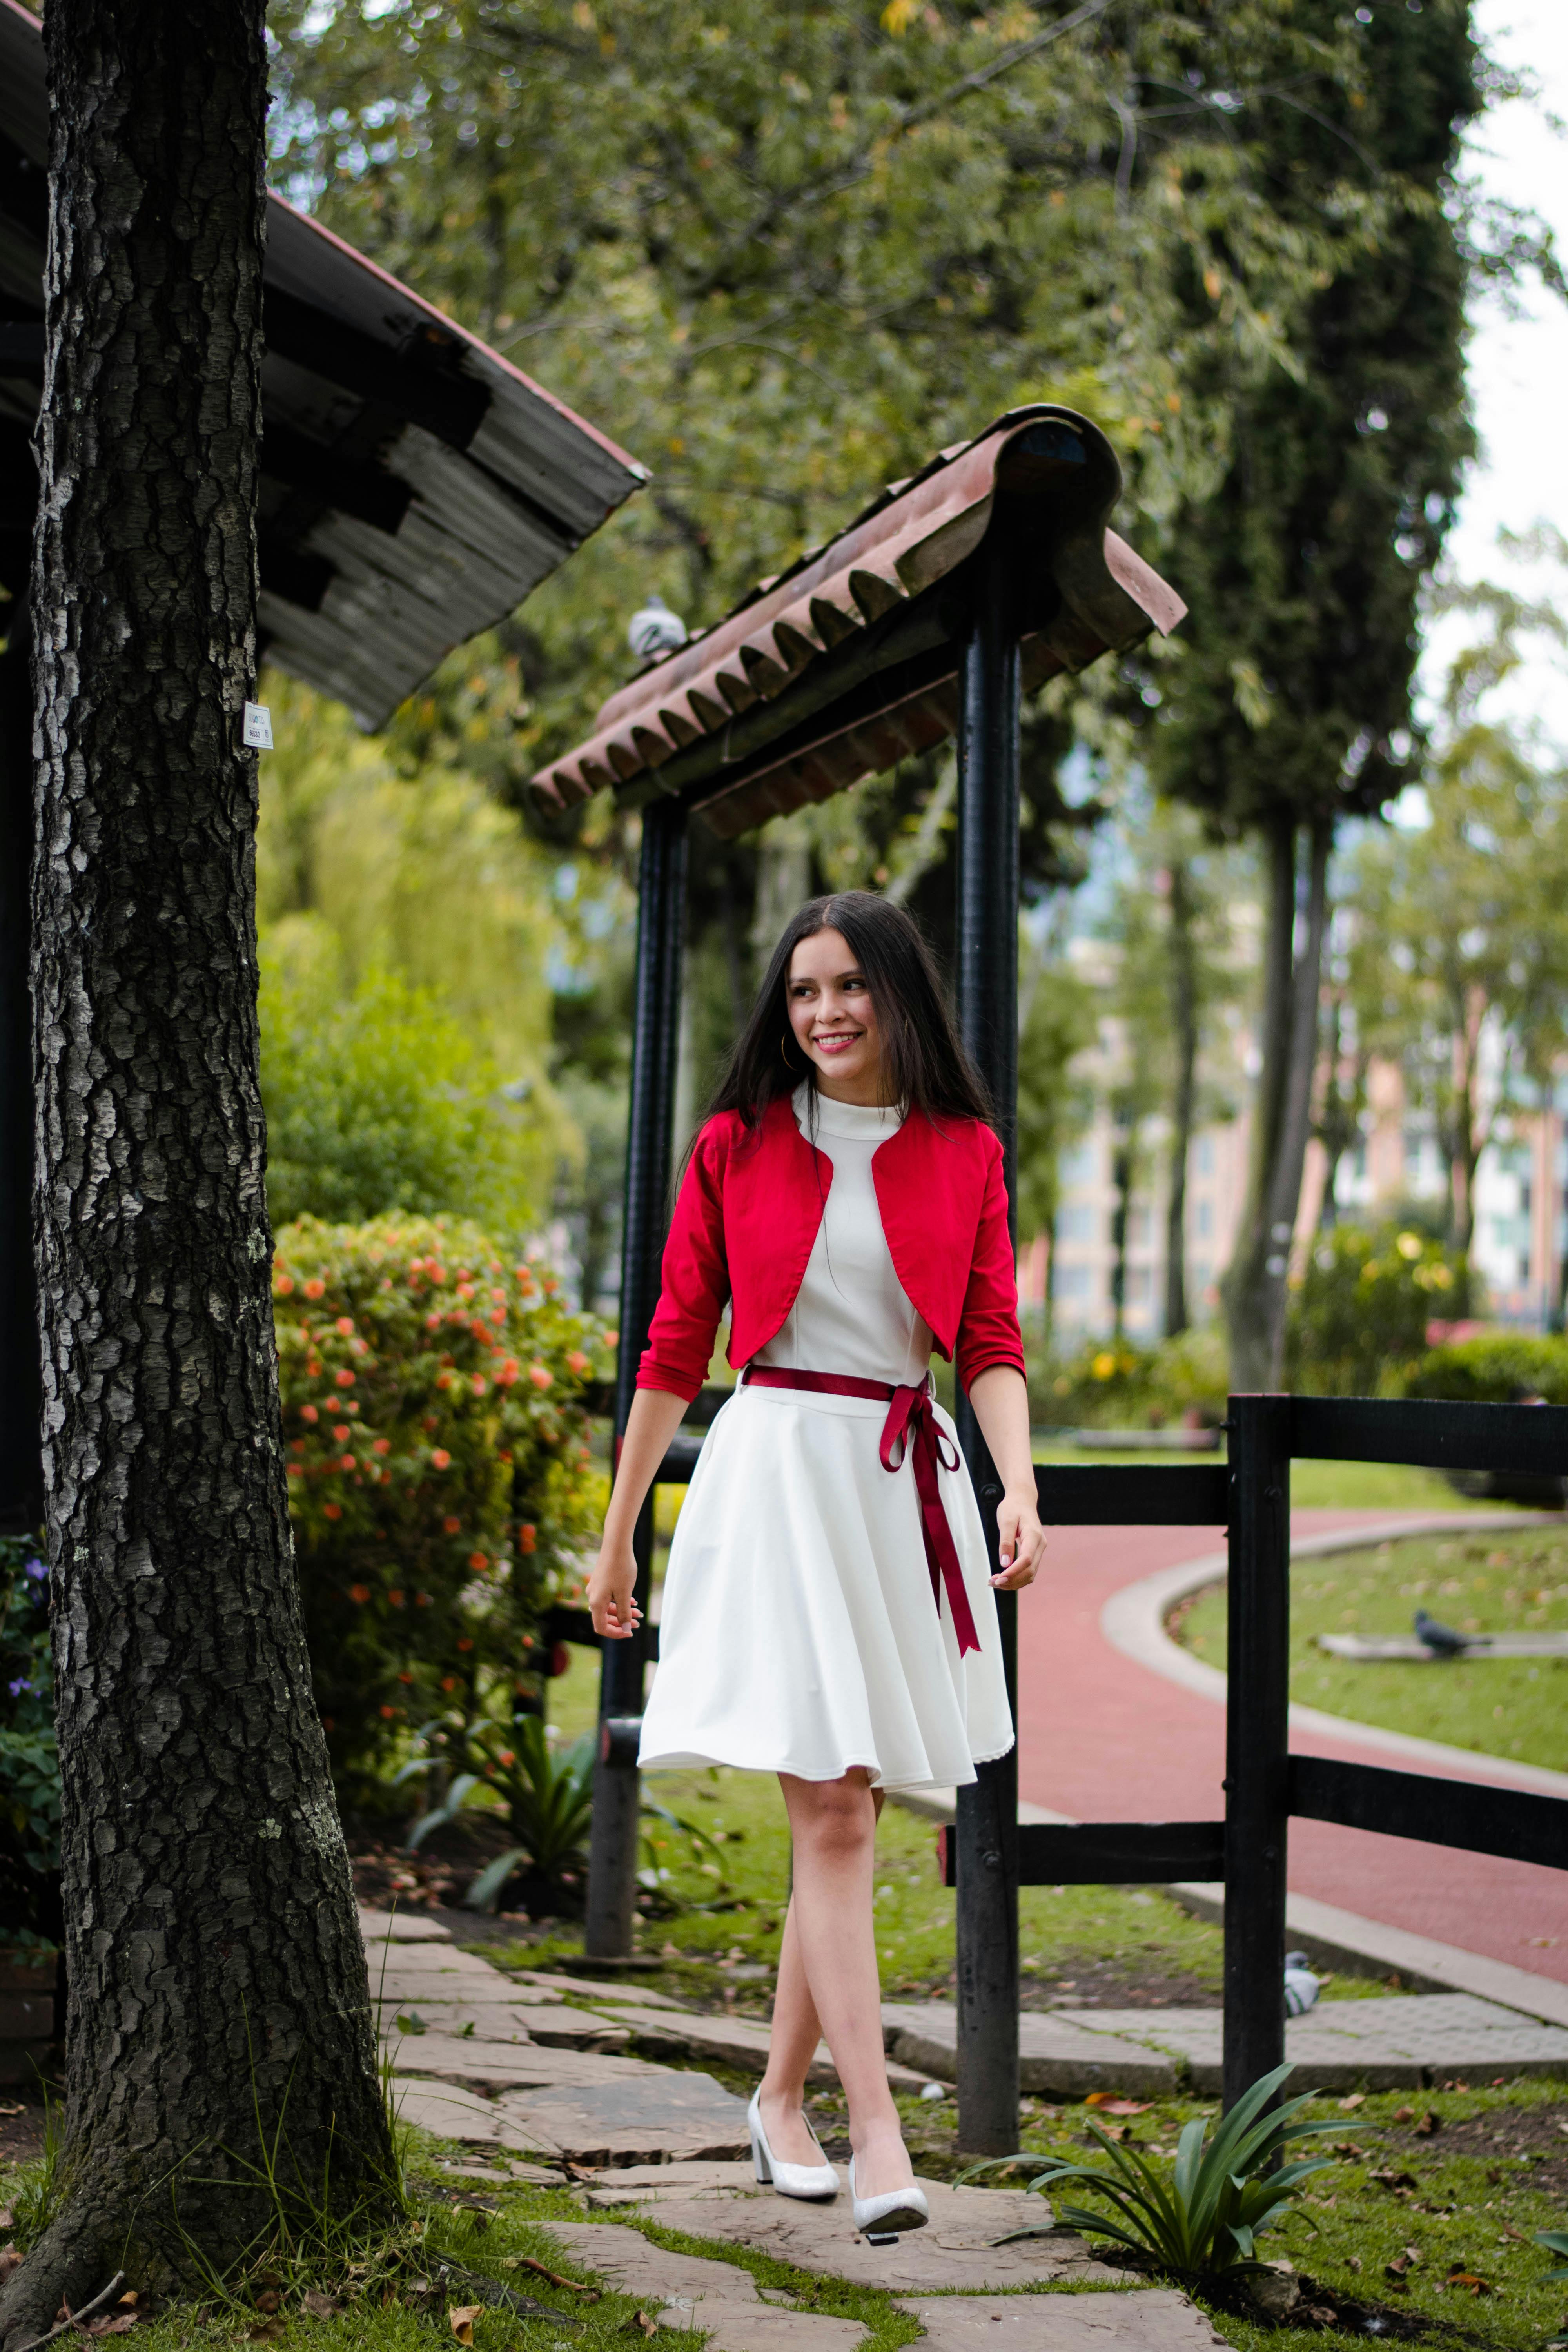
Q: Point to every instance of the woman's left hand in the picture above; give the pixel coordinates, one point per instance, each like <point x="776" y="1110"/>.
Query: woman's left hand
<point x="1023" y="1544"/>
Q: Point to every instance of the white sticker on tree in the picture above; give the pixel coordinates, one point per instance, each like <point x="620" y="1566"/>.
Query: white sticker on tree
<point x="257" y="727"/>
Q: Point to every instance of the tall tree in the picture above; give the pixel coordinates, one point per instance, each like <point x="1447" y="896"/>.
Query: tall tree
<point x="1465" y="923"/>
<point x="1291" y="702"/>
<point x="218" y="1991"/>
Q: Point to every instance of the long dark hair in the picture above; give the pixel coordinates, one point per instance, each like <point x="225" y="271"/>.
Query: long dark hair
<point x="924" y="1060"/>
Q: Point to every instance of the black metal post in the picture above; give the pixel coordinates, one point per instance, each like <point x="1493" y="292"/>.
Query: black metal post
<point x="656" y="1028"/>
<point x="1257" y="1739"/>
<point x="21" y="1436"/>
<point x="988" y="975"/>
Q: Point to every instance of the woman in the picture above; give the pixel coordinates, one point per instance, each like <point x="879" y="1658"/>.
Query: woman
<point x="823" y="1618"/>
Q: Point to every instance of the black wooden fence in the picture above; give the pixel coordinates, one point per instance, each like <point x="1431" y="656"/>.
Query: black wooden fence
<point x="1249" y="1496"/>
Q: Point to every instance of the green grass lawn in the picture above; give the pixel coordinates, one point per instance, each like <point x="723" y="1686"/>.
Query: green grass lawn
<point x="1492" y="1583"/>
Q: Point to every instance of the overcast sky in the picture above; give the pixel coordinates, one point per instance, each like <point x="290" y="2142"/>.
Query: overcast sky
<point x="1519" y="367"/>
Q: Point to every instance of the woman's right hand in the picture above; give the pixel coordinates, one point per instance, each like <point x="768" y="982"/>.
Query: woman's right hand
<point x="611" y="1592"/>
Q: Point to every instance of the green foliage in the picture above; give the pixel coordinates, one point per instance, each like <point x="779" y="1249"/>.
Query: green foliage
<point x="29" y="1764"/>
<point x="1203" y="2217"/>
<point x="1117" y="1384"/>
<point x="438" y="1467"/>
<point x="1494" y="1367"/>
<point x="785" y="256"/>
<point x="547" y="1795"/>
<point x="377" y="1099"/>
<point x="1359" y="1319"/>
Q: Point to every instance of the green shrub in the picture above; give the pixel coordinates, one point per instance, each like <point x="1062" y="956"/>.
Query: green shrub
<point x="439" y="1477"/>
<point x="1494" y="1367"/>
<point x="377" y="1099"/>
<point x="1120" y="1384"/>
<point x="1358" y="1314"/>
<point x="29" y="1764"/>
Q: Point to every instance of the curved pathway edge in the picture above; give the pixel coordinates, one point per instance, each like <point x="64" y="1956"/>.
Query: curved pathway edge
<point x="1133" y="1622"/>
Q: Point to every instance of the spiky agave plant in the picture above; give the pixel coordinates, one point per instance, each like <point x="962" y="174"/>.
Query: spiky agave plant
<point x="1203" y="2216"/>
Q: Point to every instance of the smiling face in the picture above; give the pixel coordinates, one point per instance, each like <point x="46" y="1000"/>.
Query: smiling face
<point x="834" y="1019"/>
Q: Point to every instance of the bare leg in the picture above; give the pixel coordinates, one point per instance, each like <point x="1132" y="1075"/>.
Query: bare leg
<point x="796" y="2032"/>
<point x="834" y="1825"/>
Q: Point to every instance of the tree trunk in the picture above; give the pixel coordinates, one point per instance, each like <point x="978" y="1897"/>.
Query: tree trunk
<point x="1185" y="1029"/>
<point x="218" y="1988"/>
<point x="1122" y="1186"/>
<point x="1255" y="1285"/>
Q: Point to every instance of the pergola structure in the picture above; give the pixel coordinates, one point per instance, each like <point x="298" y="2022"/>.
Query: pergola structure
<point x="415" y="487"/>
<point x="979" y="578"/>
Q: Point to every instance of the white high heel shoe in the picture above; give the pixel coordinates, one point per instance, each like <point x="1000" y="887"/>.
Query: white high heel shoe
<point x="890" y="2215"/>
<point x="789" y="2179"/>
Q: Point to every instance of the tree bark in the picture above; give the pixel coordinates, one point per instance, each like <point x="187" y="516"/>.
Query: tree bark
<point x="1255" y="1285"/>
<point x="219" y="1987"/>
<point x="1185" y="1029"/>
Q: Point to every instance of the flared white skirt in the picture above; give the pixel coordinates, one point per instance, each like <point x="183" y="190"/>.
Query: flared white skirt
<point x="797" y="1631"/>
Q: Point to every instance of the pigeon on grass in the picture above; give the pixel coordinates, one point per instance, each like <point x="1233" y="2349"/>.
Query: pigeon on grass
<point x="1441" y="1640"/>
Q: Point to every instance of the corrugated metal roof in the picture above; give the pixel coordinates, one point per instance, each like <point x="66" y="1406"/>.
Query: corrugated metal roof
<point x="848" y="661"/>
<point x="416" y="486"/>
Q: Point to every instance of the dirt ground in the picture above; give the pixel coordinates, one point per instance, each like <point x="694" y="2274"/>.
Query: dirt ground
<point x="21" y="2124"/>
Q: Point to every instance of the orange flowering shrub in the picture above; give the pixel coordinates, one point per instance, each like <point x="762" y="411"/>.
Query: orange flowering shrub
<point x="439" y="1479"/>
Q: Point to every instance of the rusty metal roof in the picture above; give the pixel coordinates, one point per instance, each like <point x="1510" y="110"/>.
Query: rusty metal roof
<point x="416" y="486"/>
<point x="848" y="661"/>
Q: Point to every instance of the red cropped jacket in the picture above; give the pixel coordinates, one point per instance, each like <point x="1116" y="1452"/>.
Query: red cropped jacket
<point x="746" y="1221"/>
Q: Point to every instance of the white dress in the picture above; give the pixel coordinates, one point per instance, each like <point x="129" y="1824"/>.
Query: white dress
<point x="798" y="1632"/>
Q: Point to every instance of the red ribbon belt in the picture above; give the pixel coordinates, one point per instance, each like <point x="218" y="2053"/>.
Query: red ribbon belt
<point x="911" y="1427"/>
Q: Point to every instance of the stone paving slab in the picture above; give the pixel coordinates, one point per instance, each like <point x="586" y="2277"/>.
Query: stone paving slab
<point x="1406" y="2042"/>
<point x="448" y="2110"/>
<point x="957" y="2251"/>
<point x="1155" y="2319"/>
<point x="498" y="2067"/>
<point x="764" y="2327"/>
<point x="400" y="1927"/>
<point x="649" y="2115"/>
<point x="739" y="2042"/>
<point x="635" y="2265"/>
<point x="1057" y="2055"/>
<point x="505" y="2019"/>
<point x="622" y="1995"/>
<point x="400" y="1968"/>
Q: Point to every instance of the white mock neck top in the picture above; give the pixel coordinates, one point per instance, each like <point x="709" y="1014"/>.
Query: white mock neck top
<point x="851" y="1314"/>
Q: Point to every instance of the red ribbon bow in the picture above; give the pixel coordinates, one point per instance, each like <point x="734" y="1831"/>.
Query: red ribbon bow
<point x="911" y="1428"/>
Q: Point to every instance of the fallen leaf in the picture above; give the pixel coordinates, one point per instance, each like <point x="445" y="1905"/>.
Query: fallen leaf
<point x="1403" y="2114"/>
<point x="1353" y="2261"/>
<point x="8" y="2110"/>
<point x="269" y="2301"/>
<point x="10" y="2260"/>
<point x="1348" y="2149"/>
<point x="1430" y="2122"/>
<point x="638" y="2324"/>
<point x="320" y="2306"/>
<point x="264" y="2331"/>
<point x="1520" y="2237"/>
<point x="118" y="2327"/>
<point x="1470" y="2280"/>
<point x="131" y="2296"/>
<point x="461" y="2318"/>
<point x="1394" y="2181"/>
<point x="1356" y="2099"/>
<point x="1110" y="2104"/>
<point x="1399" y="2265"/>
